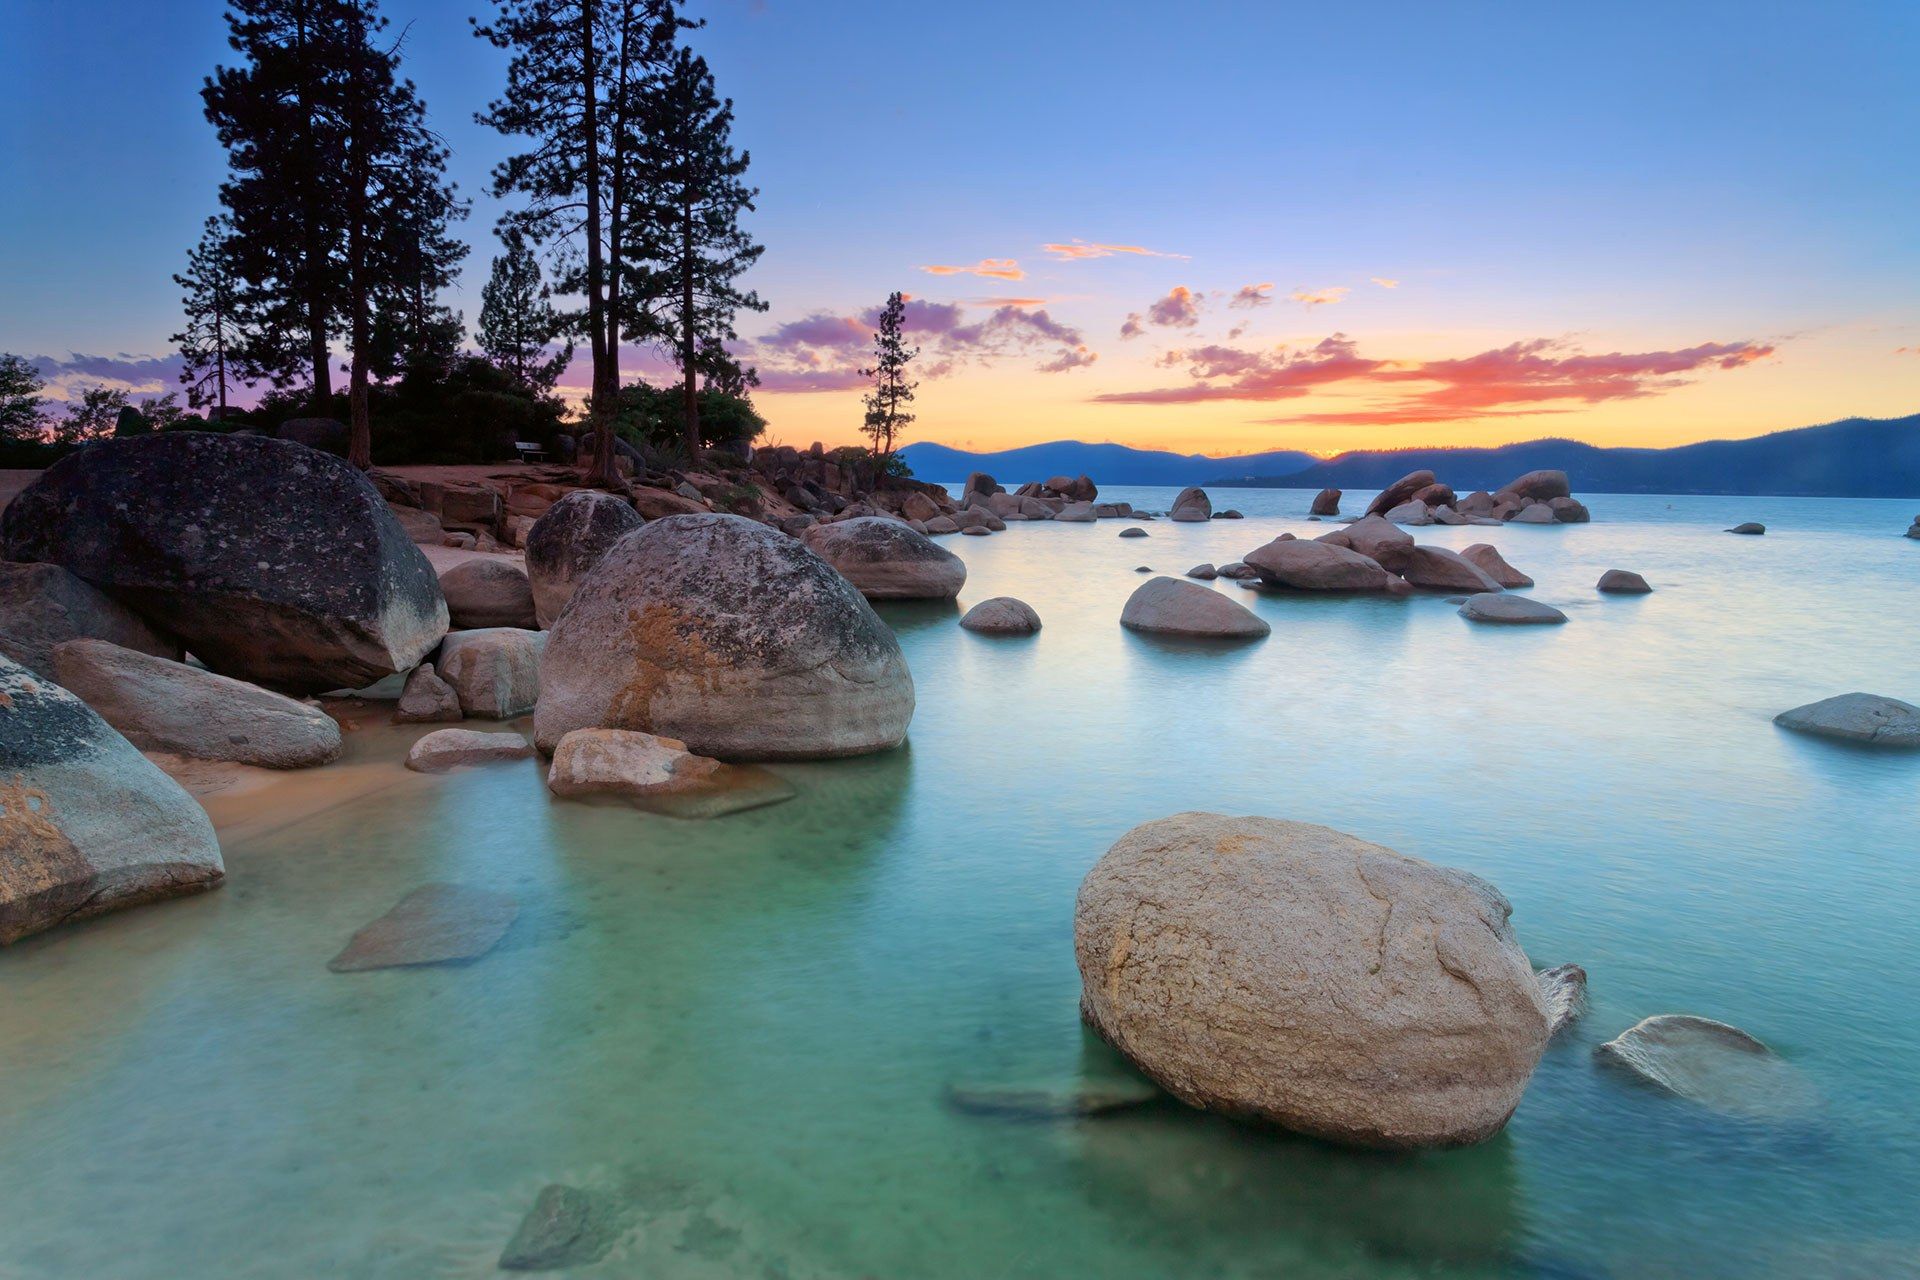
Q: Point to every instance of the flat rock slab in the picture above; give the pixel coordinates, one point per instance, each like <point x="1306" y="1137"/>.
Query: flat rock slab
<point x="1865" y="718"/>
<point x="658" y="775"/>
<point x="1718" y="1066"/>
<point x="445" y="749"/>
<point x="1751" y="528"/>
<point x="1511" y="610"/>
<point x="437" y="923"/>
<point x="566" y="1227"/>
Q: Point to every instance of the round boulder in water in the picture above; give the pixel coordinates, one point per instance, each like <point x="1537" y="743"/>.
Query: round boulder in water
<point x="1173" y="607"/>
<point x="887" y="560"/>
<point x="729" y="636"/>
<point x="568" y="540"/>
<point x="1293" y="974"/>
<point x="273" y="562"/>
<point x="1002" y="616"/>
<point x="1866" y="718"/>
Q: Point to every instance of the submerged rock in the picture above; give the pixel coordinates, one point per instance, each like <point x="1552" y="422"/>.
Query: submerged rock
<point x="1133" y="533"/>
<point x="887" y="560"/>
<point x="1172" y="607"/>
<point x="731" y="637"/>
<point x="1718" y="1066"/>
<point x="435" y="924"/>
<point x="1191" y="506"/>
<point x="1510" y="609"/>
<point x="427" y="699"/>
<point x="274" y="563"/>
<point x="487" y="593"/>
<point x="42" y="605"/>
<point x="88" y="825"/>
<point x="1315" y="566"/>
<point x="494" y="671"/>
<point x="1002" y="616"/>
<point x="1053" y="1101"/>
<point x="1563" y="989"/>
<point x="1294" y="974"/>
<point x="1865" y="718"/>
<point x="163" y="705"/>
<point x="658" y="774"/>
<point x="1622" y="582"/>
<point x="568" y="540"/>
<point x="1750" y="527"/>
<point x="1487" y="559"/>
<point x="566" y="1227"/>
<point x="445" y="749"/>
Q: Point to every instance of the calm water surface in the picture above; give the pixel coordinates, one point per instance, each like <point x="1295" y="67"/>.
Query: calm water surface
<point x="743" y="1031"/>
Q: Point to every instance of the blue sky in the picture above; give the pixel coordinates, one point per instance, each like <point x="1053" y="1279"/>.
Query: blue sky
<point x="1631" y="179"/>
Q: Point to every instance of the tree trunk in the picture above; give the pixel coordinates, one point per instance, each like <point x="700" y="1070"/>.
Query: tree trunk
<point x="606" y="372"/>
<point x="689" y="392"/>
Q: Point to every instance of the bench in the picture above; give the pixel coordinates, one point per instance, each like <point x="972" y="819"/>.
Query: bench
<point x="529" y="452"/>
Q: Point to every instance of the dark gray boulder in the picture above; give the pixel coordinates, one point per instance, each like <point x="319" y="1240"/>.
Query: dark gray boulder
<point x="42" y="605"/>
<point x="1866" y="718"/>
<point x="87" y="824"/>
<point x="568" y="540"/>
<point x="273" y="562"/>
<point x="1752" y="527"/>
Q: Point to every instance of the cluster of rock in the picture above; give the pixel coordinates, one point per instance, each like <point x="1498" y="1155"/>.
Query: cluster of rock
<point x="1538" y="497"/>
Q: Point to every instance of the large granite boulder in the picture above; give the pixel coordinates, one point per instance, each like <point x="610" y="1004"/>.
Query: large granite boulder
<point x="494" y="671"/>
<point x="1315" y="566"/>
<point x="1376" y="538"/>
<point x="1191" y="506"/>
<point x="87" y="824"/>
<point x="273" y="562"/>
<point x="163" y="705"/>
<point x="1002" y="616"/>
<point x="1172" y="607"/>
<point x="1439" y="569"/>
<point x="1293" y="974"/>
<point x="1325" y="503"/>
<point x="42" y="605"/>
<point x="1486" y="557"/>
<point x="1399" y="491"/>
<point x="1540" y="486"/>
<point x="1865" y="718"/>
<point x="484" y="592"/>
<point x="729" y="636"/>
<point x="568" y="540"/>
<point x="887" y="560"/>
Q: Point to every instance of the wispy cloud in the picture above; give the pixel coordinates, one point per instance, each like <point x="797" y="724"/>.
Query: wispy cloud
<point x="1252" y="295"/>
<point x="137" y="375"/>
<point x="1321" y="297"/>
<point x="1385" y="282"/>
<point x="825" y="351"/>
<point x="1523" y="377"/>
<point x="1009" y="302"/>
<point x="1082" y="250"/>
<point x="990" y="268"/>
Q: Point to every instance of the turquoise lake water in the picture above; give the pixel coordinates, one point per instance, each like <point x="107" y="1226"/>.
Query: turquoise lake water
<point x="742" y="1032"/>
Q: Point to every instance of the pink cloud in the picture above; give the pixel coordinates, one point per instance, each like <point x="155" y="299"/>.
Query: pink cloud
<point x="1132" y="327"/>
<point x="991" y="268"/>
<point x="824" y="352"/>
<point x="1252" y="295"/>
<point x="1321" y="297"/>
<point x="1081" y="251"/>
<point x="1180" y="309"/>
<point x="1385" y="282"/>
<point x="1519" y="378"/>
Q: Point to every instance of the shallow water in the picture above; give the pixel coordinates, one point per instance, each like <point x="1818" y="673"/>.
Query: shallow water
<point x="743" y="1031"/>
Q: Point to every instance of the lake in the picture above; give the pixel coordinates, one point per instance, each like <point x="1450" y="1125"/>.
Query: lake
<point x="740" y="1035"/>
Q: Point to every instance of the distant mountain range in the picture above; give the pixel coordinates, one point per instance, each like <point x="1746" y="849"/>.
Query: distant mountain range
<point x="1105" y="463"/>
<point x="1856" y="458"/>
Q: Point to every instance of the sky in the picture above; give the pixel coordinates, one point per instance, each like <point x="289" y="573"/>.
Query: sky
<point x="1218" y="228"/>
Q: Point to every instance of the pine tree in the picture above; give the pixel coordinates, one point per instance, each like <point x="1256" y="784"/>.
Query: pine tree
<point x="209" y="341"/>
<point x="892" y="393"/>
<point x="518" y="325"/>
<point x="94" y="416"/>
<point x="574" y="88"/>
<point x="22" y="416"/>
<point x="277" y="115"/>
<point x="690" y="202"/>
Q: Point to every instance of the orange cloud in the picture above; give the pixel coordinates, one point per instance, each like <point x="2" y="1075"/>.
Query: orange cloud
<point x="1385" y="282"/>
<point x="1081" y="250"/>
<point x="1252" y="295"/>
<point x="1009" y="302"/>
<point x="991" y="268"/>
<point x="1321" y="297"/>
